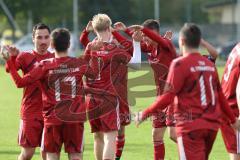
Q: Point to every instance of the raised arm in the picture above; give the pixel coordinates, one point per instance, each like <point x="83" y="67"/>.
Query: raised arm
<point x="155" y="37"/>
<point x="123" y="41"/>
<point x="15" y="57"/>
<point x="211" y="50"/>
<point x="120" y="26"/>
<point x="84" y="35"/>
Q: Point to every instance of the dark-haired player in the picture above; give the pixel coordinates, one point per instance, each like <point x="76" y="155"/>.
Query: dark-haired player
<point x="193" y="79"/>
<point x="61" y="83"/>
<point x="31" y="123"/>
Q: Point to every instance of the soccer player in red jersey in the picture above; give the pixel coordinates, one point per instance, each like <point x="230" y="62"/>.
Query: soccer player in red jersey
<point x="160" y="53"/>
<point x="212" y="56"/>
<point x="61" y="81"/>
<point x="31" y="123"/>
<point x="194" y="80"/>
<point x="120" y="85"/>
<point x="114" y="55"/>
<point x="229" y="84"/>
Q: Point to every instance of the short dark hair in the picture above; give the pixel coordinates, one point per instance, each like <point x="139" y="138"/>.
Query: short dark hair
<point x="151" y="24"/>
<point x="191" y="34"/>
<point x="40" y="26"/>
<point x="61" y="39"/>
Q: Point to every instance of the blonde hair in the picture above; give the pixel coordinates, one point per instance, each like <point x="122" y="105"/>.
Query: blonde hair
<point x="101" y="22"/>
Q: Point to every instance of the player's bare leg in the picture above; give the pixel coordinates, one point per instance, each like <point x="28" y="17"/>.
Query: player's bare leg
<point x="159" y="149"/>
<point x="26" y="153"/>
<point x="109" y="145"/>
<point x="98" y="145"/>
<point x="53" y="156"/>
<point x="75" y="156"/>
<point x="43" y="155"/>
<point x="234" y="156"/>
<point x="120" y="141"/>
<point x="172" y="133"/>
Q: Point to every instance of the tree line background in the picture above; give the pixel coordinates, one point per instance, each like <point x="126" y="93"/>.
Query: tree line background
<point x="59" y="13"/>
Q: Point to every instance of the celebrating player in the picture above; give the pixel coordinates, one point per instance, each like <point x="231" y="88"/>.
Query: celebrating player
<point x="61" y="83"/>
<point x="160" y="52"/>
<point x="113" y="56"/>
<point x="121" y="84"/>
<point x="31" y="123"/>
<point x="200" y="98"/>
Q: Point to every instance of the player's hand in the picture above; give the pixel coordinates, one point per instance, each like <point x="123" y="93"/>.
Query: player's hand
<point x="137" y="36"/>
<point x="89" y="27"/>
<point x="236" y="125"/>
<point x="135" y="27"/>
<point x="4" y="53"/>
<point x="138" y="118"/>
<point x="119" y="26"/>
<point x="168" y="35"/>
<point x="12" y="50"/>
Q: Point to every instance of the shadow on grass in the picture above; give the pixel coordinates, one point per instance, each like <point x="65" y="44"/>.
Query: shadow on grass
<point x="9" y="152"/>
<point x="14" y="152"/>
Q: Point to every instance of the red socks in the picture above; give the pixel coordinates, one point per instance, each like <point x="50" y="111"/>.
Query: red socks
<point x="159" y="150"/>
<point x="120" y="141"/>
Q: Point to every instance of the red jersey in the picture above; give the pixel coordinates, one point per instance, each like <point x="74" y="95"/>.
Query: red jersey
<point x="159" y="57"/>
<point x="61" y="82"/>
<point x="111" y="57"/>
<point x="194" y="80"/>
<point x="84" y="38"/>
<point x="120" y="85"/>
<point x="31" y="107"/>
<point x="230" y="78"/>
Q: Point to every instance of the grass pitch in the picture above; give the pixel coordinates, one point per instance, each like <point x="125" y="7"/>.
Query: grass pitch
<point x="138" y="140"/>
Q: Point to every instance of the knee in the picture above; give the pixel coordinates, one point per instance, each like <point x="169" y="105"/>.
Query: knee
<point x="110" y="137"/>
<point x="27" y="154"/>
<point x="75" y="156"/>
<point x="157" y="134"/>
<point x="173" y="135"/>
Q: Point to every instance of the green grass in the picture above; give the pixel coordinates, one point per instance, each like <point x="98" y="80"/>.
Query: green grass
<point x="138" y="140"/>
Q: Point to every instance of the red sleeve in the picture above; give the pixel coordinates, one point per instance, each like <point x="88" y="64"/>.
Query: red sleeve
<point x="84" y="38"/>
<point x="146" y="48"/>
<point x="124" y="42"/>
<point x="156" y="37"/>
<point x="128" y="32"/>
<point x="225" y="107"/>
<point x="175" y="80"/>
<point x="28" y="79"/>
<point x="172" y="87"/>
<point x="162" y="102"/>
<point x="18" y="61"/>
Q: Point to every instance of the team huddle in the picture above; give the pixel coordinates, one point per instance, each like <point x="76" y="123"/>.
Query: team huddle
<point x="62" y="93"/>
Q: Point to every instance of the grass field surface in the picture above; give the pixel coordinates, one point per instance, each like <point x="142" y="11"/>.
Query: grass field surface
<point x="138" y="140"/>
